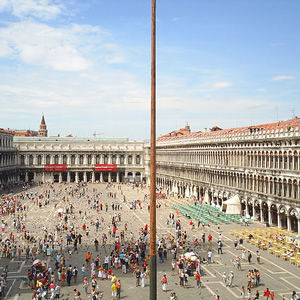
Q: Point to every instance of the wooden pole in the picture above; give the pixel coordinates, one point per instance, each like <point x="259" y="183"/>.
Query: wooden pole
<point x="153" y="263"/>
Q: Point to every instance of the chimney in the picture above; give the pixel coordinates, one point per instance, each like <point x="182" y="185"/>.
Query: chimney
<point x="205" y="130"/>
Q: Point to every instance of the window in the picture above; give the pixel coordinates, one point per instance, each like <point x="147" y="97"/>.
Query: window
<point x="81" y="159"/>
<point x="89" y="159"/>
<point x="129" y="160"/>
<point x="105" y="159"/>
<point x="138" y="159"/>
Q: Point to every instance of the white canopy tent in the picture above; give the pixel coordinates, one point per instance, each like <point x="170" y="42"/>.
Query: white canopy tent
<point x="232" y="206"/>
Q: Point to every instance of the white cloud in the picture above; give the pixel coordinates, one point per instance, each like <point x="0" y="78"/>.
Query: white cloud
<point x="54" y="48"/>
<point x="113" y="54"/>
<point x="5" y="50"/>
<point x="222" y="85"/>
<point x="282" y="77"/>
<point x="42" y="9"/>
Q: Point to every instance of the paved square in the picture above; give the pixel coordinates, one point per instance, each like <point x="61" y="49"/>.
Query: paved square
<point x="276" y="274"/>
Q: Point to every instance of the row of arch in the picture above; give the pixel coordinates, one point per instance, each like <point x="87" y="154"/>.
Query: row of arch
<point x="286" y="160"/>
<point x="262" y="184"/>
<point x="80" y="159"/>
<point x="279" y="213"/>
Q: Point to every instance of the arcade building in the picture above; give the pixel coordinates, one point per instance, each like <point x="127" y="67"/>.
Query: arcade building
<point x="260" y="164"/>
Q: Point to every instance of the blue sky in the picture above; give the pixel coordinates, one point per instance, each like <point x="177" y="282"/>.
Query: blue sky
<point x="86" y="64"/>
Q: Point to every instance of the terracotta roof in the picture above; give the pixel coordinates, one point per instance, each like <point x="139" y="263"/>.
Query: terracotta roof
<point x="215" y="131"/>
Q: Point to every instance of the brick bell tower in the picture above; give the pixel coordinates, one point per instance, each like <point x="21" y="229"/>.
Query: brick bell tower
<point x="43" y="128"/>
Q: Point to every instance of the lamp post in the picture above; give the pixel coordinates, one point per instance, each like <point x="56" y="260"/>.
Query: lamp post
<point x="152" y="262"/>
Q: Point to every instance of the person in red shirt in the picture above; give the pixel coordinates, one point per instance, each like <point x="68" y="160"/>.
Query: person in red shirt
<point x="209" y="239"/>
<point x="267" y="293"/>
<point x="114" y="231"/>
<point x="198" y="279"/>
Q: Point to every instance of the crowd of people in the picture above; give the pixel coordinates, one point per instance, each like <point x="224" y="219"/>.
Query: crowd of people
<point x="89" y="242"/>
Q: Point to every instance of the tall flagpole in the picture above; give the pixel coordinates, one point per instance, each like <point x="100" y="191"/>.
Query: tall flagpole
<point x="153" y="266"/>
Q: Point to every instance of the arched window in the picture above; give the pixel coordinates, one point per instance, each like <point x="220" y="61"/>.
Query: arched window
<point x="138" y="160"/>
<point x="129" y="160"/>
<point x="89" y="159"/>
<point x="81" y="159"/>
<point x="105" y="159"/>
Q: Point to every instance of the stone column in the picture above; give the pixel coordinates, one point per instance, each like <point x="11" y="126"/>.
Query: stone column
<point x="101" y="177"/>
<point x="247" y="209"/>
<point x="76" y="176"/>
<point x="289" y="223"/>
<point x="60" y="177"/>
<point x="43" y="177"/>
<point x="109" y="176"/>
<point x="262" y="219"/>
<point x="68" y="176"/>
<point x="84" y="176"/>
<point x="187" y="192"/>
<point x="118" y="177"/>
<point x="279" y="220"/>
<point x="93" y="176"/>
<point x="101" y="159"/>
<point x="269" y="216"/>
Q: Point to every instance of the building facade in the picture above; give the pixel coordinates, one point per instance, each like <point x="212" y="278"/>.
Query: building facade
<point x="69" y="159"/>
<point x="260" y="164"/>
<point x="8" y="155"/>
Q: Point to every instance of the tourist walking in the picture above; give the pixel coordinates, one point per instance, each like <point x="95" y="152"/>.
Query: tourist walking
<point x="119" y="289"/>
<point x="164" y="282"/>
<point x="230" y="278"/>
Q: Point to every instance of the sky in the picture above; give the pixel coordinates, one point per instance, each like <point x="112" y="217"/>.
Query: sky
<point x="85" y="65"/>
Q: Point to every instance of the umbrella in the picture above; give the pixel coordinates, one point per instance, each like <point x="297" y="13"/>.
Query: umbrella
<point x="36" y="262"/>
<point x="60" y="210"/>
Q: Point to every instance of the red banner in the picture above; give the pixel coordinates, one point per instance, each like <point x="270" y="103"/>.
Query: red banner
<point x="53" y="167"/>
<point x="105" y="167"/>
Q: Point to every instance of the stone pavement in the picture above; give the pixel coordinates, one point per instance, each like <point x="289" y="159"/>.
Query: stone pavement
<point x="276" y="273"/>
